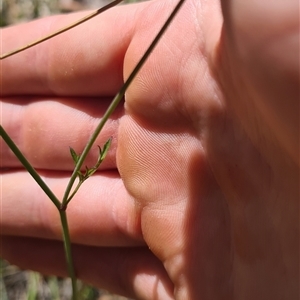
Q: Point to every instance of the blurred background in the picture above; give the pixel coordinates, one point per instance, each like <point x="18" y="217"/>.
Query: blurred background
<point x="16" y="11"/>
<point x="16" y="284"/>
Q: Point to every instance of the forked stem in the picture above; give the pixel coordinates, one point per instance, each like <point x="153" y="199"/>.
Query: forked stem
<point x="62" y="206"/>
<point x="117" y="100"/>
<point x="10" y="143"/>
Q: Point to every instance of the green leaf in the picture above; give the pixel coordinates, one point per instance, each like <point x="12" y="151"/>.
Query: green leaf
<point x="74" y="155"/>
<point x="91" y="171"/>
<point x="103" y="153"/>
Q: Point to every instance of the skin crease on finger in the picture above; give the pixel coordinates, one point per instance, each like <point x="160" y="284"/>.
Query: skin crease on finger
<point x="32" y="120"/>
<point x="217" y="211"/>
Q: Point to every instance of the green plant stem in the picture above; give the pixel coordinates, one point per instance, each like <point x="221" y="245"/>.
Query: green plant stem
<point x="74" y="192"/>
<point x="49" y="193"/>
<point x="29" y="167"/>
<point x="68" y="252"/>
<point x="116" y="101"/>
<point x="88" y="17"/>
<point x="62" y="206"/>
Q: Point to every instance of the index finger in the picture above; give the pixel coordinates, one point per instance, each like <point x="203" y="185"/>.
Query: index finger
<point x="87" y="60"/>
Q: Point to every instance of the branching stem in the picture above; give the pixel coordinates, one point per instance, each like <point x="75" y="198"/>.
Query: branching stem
<point x="117" y="100"/>
<point x="62" y="206"/>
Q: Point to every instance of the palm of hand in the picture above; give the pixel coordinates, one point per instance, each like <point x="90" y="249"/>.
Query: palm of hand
<point x="197" y="177"/>
<point x="189" y="169"/>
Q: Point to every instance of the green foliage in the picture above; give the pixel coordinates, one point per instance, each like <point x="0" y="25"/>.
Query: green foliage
<point x="88" y="171"/>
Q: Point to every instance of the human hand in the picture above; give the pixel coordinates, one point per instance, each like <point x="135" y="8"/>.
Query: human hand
<point x="194" y="214"/>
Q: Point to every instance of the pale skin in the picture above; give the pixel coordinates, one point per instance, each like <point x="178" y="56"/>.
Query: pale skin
<point x="198" y="197"/>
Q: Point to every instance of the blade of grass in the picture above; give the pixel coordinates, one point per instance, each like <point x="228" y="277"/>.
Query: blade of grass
<point x="33" y="282"/>
<point x="3" y="293"/>
<point x="53" y="287"/>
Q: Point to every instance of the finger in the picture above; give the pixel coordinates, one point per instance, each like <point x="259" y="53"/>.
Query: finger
<point x="101" y="213"/>
<point x="87" y="60"/>
<point x="132" y="272"/>
<point x="45" y="129"/>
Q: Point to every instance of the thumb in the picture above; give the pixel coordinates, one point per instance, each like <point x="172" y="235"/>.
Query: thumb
<point x="262" y="40"/>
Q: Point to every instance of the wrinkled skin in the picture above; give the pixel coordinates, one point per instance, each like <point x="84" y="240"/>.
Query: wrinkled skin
<point x="198" y="197"/>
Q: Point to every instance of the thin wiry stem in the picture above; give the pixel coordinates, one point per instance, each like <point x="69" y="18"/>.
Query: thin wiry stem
<point x="68" y="252"/>
<point x="29" y="167"/>
<point x="116" y="101"/>
<point x="86" y="18"/>
<point x="62" y="206"/>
